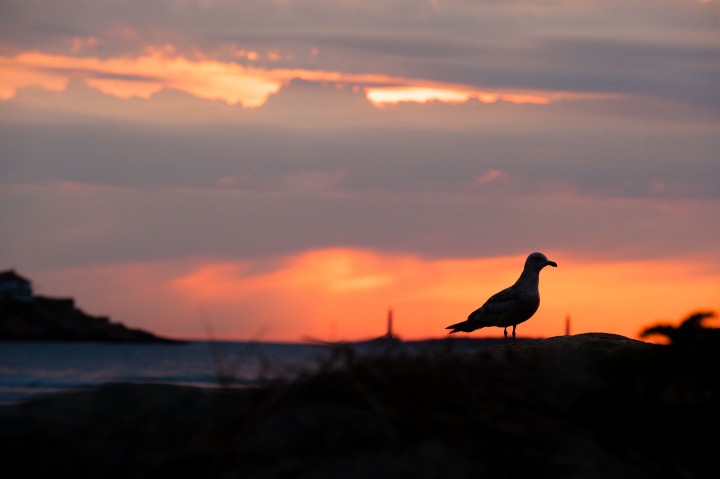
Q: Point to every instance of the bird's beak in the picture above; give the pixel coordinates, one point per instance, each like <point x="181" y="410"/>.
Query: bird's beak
<point x="552" y="263"/>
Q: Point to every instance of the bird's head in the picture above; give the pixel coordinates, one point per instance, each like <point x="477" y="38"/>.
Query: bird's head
<point x="538" y="261"/>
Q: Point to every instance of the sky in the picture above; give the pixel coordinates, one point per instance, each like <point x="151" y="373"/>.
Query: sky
<point x="293" y="169"/>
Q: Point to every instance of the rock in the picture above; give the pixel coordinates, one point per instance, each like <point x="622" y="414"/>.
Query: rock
<point x="58" y="319"/>
<point x="579" y="344"/>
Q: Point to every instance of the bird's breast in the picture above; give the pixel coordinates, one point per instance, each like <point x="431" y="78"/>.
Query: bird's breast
<point x="525" y="308"/>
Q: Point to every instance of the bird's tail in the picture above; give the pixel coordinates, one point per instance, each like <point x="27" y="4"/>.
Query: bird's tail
<point x="463" y="327"/>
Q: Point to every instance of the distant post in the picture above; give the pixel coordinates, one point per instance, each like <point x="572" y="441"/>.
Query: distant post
<point x="390" y="324"/>
<point x="567" y="325"/>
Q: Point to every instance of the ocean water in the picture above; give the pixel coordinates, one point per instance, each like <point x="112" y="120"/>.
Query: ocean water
<point x="32" y="369"/>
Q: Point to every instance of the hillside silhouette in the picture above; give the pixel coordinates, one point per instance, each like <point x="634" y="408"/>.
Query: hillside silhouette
<point x="26" y="316"/>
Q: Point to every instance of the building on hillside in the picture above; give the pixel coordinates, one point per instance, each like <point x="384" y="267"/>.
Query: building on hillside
<point x="15" y="287"/>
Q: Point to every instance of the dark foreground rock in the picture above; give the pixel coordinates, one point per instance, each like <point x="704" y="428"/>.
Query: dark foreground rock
<point x="58" y="319"/>
<point x="584" y="406"/>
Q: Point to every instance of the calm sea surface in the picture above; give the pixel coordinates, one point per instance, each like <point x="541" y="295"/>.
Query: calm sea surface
<point x="30" y="369"/>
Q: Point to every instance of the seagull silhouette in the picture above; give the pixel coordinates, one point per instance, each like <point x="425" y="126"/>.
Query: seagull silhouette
<point x="512" y="305"/>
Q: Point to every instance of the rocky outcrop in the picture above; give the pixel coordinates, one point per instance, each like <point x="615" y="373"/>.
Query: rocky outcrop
<point x="58" y="319"/>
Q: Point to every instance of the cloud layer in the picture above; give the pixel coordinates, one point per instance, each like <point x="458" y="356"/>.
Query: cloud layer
<point x="221" y="135"/>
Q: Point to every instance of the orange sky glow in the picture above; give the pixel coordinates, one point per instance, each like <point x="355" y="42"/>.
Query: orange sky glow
<point x="344" y="294"/>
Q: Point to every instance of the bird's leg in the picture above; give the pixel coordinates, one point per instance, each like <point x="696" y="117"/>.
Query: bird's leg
<point x="514" y="332"/>
<point x="505" y="331"/>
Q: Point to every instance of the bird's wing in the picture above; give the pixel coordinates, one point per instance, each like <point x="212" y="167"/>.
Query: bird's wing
<point x="502" y="300"/>
<point x="497" y="305"/>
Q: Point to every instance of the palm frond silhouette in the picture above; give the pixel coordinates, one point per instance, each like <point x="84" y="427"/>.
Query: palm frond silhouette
<point x="690" y="330"/>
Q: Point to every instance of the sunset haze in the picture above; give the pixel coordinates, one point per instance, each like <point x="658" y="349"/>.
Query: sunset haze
<point x="284" y="170"/>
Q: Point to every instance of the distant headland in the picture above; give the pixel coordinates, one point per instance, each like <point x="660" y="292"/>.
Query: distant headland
<point x="25" y="316"/>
